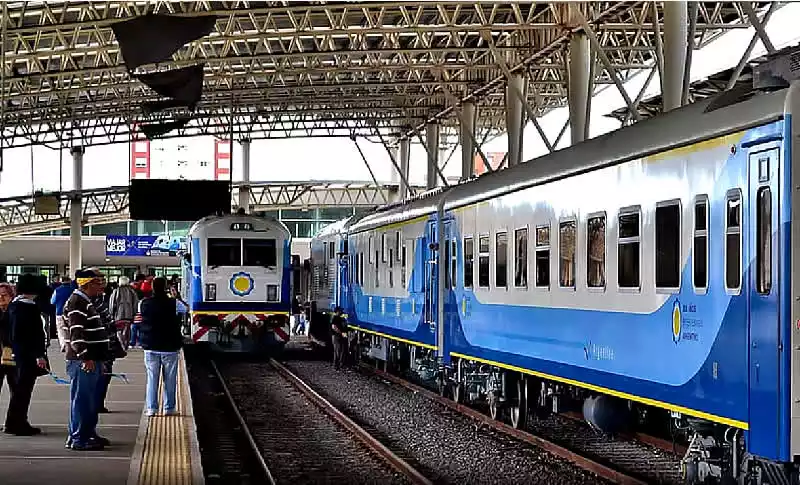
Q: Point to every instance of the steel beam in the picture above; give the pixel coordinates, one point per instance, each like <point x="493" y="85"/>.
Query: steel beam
<point x="76" y="211"/>
<point x="467" y="135"/>
<point x="579" y="85"/>
<point x="244" y="188"/>
<point x="432" y="147"/>
<point x="675" y="31"/>
<point x="405" y="158"/>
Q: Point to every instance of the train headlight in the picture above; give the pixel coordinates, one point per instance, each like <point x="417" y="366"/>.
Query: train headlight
<point x="211" y="292"/>
<point x="272" y="292"/>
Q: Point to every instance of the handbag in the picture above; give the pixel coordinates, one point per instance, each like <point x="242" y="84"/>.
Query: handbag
<point x="7" y="356"/>
<point x="43" y="371"/>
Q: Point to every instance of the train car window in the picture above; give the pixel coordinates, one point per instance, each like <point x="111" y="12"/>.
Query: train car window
<point x="361" y="269"/>
<point x="596" y="251"/>
<point x="377" y="270"/>
<point x="403" y="267"/>
<point x="521" y="258"/>
<point x="354" y="269"/>
<point x="668" y="245"/>
<point x="224" y="252"/>
<point x="764" y="241"/>
<point x="453" y="262"/>
<point x="483" y="261"/>
<point x="369" y="250"/>
<point x="397" y="244"/>
<point x="628" y="250"/>
<point x="501" y="260"/>
<point x="446" y="266"/>
<point x="383" y="247"/>
<point x="332" y="250"/>
<point x="469" y="261"/>
<point x="733" y="241"/>
<point x="391" y="267"/>
<point x="566" y="247"/>
<point x="543" y="256"/>
<point x="324" y="249"/>
<point x="345" y="247"/>
<point x="261" y="252"/>
<point x="700" y="245"/>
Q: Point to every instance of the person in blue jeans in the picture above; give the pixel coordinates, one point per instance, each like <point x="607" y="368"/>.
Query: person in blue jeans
<point x="87" y="349"/>
<point x="161" y="339"/>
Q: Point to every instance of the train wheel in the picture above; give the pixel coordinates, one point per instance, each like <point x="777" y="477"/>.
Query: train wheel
<point x="494" y="406"/>
<point x="458" y="392"/>
<point x="519" y="411"/>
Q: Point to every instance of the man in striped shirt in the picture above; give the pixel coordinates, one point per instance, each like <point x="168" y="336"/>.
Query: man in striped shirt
<point x="87" y="349"/>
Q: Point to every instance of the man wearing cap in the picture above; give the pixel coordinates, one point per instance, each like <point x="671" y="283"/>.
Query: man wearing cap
<point x="88" y="348"/>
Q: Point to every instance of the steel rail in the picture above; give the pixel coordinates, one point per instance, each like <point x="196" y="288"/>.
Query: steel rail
<point x="411" y="473"/>
<point x="243" y="424"/>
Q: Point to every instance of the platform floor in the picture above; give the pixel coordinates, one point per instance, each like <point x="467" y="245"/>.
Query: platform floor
<point x="43" y="459"/>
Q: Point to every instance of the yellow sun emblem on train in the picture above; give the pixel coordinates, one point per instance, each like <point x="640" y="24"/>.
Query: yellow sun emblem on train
<point x="676" y="321"/>
<point x="241" y="284"/>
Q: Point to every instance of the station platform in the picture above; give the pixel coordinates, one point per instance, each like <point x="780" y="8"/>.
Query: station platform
<point x="160" y="450"/>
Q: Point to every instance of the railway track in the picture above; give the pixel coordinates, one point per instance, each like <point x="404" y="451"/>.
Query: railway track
<point x="226" y="453"/>
<point x="628" y="462"/>
<point x="302" y="438"/>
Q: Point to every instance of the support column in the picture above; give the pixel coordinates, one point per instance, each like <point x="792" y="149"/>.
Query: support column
<point x="514" y="115"/>
<point x="405" y="157"/>
<point x="467" y="135"/>
<point x="432" y="142"/>
<point x="676" y="23"/>
<point x="578" y="93"/>
<point x="76" y="211"/>
<point x="244" y="188"/>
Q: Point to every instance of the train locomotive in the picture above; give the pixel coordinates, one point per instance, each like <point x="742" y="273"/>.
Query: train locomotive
<point x="644" y="277"/>
<point x="237" y="271"/>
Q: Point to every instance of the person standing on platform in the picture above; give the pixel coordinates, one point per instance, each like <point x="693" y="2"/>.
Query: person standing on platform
<point x="115" y="351"/>
<point x="30" y="353"/>
<point x="162" y="341"/>
<point x="8" y="368"/>
<point x="122" y="305"/>
<point x="88" y="348"/>
<point x="339" y="331"/>
<point x="59" y="298"/>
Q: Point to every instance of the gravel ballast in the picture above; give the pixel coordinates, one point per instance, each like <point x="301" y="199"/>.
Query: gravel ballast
<point x="444" y="445"/>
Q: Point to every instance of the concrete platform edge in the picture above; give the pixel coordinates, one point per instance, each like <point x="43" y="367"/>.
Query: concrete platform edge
<point x="198" y="477"/>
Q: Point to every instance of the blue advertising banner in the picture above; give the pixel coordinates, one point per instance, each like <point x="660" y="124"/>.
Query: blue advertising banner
<point x="163" y="245"/>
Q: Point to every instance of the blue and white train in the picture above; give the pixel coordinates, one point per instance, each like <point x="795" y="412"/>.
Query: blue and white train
<point x="646" y="275"/>
<point x="237" y="272"/>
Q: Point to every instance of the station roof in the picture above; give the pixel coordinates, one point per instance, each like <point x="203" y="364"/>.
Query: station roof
<point x="286" y="69"/>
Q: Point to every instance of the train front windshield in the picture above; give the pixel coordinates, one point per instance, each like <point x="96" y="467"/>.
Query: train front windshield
<point x="242" y="252"/>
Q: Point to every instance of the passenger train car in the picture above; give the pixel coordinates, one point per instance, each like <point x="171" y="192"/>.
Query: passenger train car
<point x="238" y="270"/>
<point x="645" y="276"/>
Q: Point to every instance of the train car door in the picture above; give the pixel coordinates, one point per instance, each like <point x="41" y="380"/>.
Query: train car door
<point x="430" y="284"/>
<point x="765" y="343"/>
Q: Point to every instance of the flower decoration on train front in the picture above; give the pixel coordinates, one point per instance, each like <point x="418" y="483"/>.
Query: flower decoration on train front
<point x="242" y="284"/>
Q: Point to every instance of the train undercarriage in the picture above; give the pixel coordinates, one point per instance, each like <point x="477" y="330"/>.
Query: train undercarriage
<point x="712" y="453"/>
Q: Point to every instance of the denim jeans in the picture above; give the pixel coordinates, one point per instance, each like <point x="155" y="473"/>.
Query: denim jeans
<point x="161" y="364"/>
<point x="83" y="401"/>
<point x="134" y="335"/>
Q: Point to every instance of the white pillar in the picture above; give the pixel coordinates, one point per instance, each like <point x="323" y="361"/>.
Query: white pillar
<point x="405" y="157"/>
<point x="676" y="16"/>
<point x="467" y="147"/>
<point x="514" y="114"/>
<point x="578" y="94"/>
<point x="76" y="211"/>
<point x="432" y="143"/>
<point x="244" y="188"/>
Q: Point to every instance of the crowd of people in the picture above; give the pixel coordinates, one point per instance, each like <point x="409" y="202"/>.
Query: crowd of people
<point x="96" y="324"/>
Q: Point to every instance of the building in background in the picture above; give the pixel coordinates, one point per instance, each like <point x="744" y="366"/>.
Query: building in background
<point x="496" y="161"/>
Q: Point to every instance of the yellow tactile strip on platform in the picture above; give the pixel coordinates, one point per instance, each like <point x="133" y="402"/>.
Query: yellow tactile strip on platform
<point x="166" y="459"/>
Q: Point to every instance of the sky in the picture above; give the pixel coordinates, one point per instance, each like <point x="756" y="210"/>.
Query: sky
<point x="37" y="168"/>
